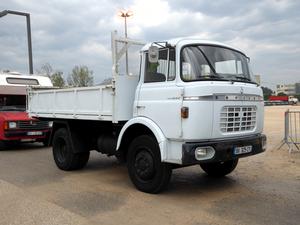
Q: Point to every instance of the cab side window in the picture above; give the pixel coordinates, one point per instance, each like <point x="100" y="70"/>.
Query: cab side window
<point x="157" y="72"/>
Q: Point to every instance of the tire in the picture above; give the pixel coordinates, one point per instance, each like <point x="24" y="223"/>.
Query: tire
<point x="145" y="168"/>
<point x="64" y="155"/>
<point x="219" y="169"/>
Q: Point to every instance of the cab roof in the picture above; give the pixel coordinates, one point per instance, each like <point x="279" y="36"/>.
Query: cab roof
<point x="190" y="40"/>
<point x="42" y="80"/>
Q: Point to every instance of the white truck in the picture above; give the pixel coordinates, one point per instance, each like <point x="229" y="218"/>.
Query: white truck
<point x="193" y="102"/>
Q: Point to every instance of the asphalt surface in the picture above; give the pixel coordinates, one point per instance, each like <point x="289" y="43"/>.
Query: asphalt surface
<point x="264" y="189"/>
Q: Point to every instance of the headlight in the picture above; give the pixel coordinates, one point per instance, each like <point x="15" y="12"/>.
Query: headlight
<point x="12" y="125"/>
<point x="50" y="124"/>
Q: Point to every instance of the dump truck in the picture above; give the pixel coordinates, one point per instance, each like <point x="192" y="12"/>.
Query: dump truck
<point x="192" y="103"/>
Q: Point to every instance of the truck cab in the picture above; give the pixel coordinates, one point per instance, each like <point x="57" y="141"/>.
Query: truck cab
<point x="201" y="95"/>
<point x="15" y="124"/>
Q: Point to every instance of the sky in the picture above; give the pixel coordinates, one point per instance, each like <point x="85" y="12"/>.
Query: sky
<point x="66" y="33"/>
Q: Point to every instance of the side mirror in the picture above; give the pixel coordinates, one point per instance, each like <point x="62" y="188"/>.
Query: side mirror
<point x="153" y="54"/>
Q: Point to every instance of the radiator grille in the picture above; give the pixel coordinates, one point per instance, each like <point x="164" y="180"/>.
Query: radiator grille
<point x="33" y="125"/>
<point x="237" y="119"/>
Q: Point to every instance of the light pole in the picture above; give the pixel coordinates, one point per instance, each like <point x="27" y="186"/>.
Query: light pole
<point x="27" y="15"/>
<point x="125" y="15"/>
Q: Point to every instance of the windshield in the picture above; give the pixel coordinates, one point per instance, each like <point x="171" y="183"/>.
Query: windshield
<point x="202" y="62"/>
<point x="12" y="103"/>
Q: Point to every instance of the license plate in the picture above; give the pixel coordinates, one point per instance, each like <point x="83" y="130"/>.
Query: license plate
<point x="27" y="140"/>
<point x="242" y="150"/>
<point x="34" y="133"/>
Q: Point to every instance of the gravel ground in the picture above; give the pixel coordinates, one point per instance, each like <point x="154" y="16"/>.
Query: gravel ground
<point x="264" y="189"/>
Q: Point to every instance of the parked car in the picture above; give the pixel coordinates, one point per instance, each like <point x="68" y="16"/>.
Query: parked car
<point x="15" y="124"/>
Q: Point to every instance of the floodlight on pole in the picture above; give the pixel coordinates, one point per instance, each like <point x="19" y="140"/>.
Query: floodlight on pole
<point x="27" y="15"/>
<point x="125" y="15"/>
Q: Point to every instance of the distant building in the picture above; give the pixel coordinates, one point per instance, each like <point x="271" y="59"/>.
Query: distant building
<point x="288" y="89"/>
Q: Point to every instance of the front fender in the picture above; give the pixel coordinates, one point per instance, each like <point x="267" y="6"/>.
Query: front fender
<point x="155" y="129"/>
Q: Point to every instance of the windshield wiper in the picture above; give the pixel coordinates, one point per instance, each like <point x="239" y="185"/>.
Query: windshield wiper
<point x="210" y="76"/>
<point x="213" y="76"/>
<point x="243" y="78"/>
<point x="207" y="60"/>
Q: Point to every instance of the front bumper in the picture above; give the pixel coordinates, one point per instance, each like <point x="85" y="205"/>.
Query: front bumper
<point x="27" y="134"/>
<point x="223" y="149"/>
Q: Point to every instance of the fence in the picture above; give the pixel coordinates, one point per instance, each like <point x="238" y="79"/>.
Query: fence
<point x="291" y="130"/>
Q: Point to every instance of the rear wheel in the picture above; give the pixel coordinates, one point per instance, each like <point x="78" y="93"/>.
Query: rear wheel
<point x="219" y="169"/>
<point x="64" y="155"/>
<point x="145" y="168"/>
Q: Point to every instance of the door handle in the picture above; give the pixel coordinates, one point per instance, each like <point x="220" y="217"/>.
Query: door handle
<point x="141" y="106"/>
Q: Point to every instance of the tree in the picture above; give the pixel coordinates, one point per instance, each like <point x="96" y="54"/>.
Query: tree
<point x="267" y="92"/>
<point x="46" y="69"/>
<point x="57" y="79"/>
<point x="81" y="76"/>
<point x="281" y="94"/>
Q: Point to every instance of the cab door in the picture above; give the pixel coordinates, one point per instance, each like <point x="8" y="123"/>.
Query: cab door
<point x="160" y="99"/>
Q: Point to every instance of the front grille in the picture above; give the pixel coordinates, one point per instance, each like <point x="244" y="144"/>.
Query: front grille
<point x="237" y="119"/>
<point x="33" y="125"/>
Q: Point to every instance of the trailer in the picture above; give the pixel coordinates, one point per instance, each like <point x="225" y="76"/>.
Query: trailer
<point x="193" y="102"/>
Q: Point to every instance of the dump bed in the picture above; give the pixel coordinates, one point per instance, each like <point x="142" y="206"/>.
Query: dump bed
<point x="113" y="102"/>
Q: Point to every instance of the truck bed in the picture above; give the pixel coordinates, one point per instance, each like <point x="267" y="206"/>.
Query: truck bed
<point x="113" y="102"/>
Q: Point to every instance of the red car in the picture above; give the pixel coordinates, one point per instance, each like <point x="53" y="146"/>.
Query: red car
<point x="15" y="124"/>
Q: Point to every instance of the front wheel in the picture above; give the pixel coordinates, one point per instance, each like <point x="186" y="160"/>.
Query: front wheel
<point x="219" y="169"/>
<point x="63" y="153"/>
<point x="145" y="168"/>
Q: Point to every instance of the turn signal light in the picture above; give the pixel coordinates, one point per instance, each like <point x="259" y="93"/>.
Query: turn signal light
<point x="184" y="112"/>
<point x="5" y="125"/>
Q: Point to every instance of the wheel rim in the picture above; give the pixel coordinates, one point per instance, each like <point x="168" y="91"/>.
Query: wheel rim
<point x="144" y="165"/>
<point x="61" y="150"/>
